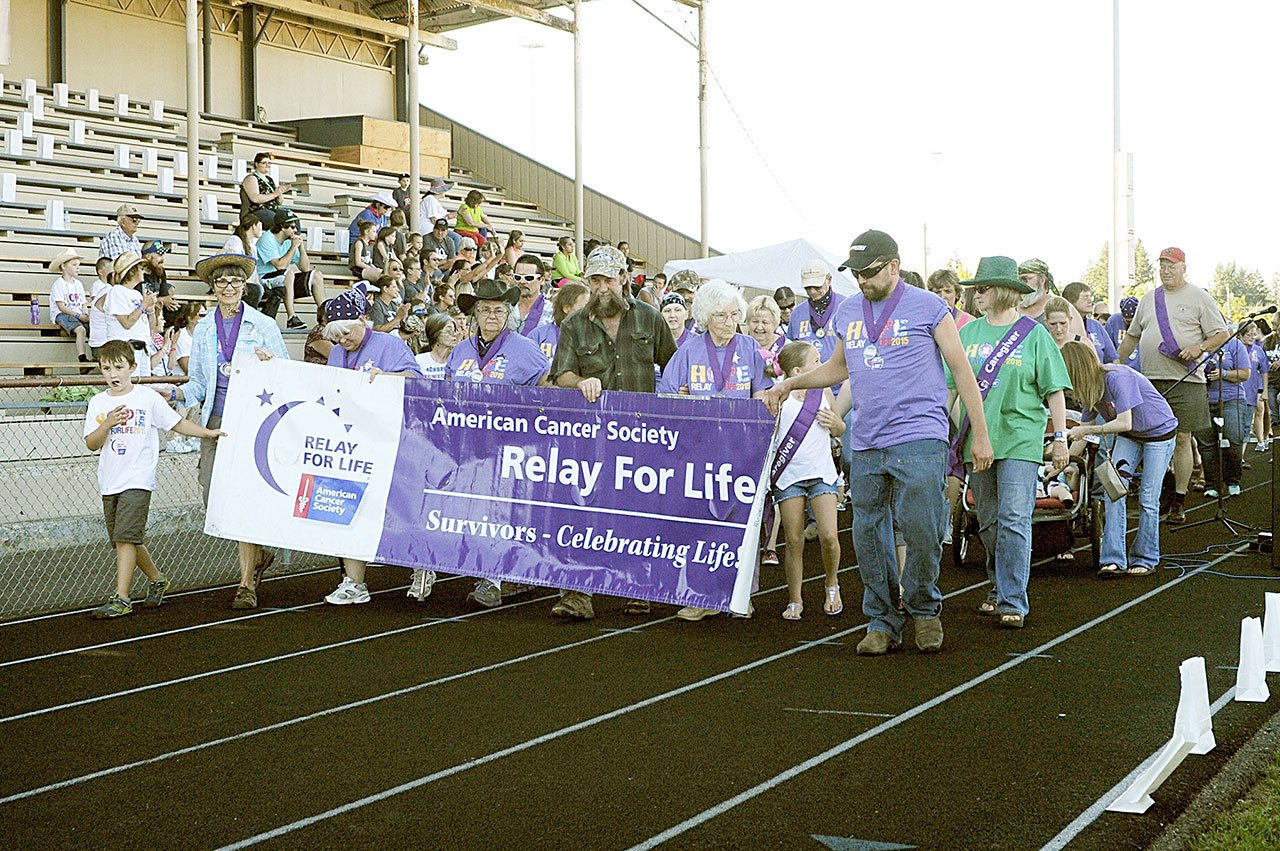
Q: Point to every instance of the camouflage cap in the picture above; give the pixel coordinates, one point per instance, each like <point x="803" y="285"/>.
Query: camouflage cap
<point x="685" y="279"/>
<point x="1036" y="266"/>
<point x="605" y="260"/>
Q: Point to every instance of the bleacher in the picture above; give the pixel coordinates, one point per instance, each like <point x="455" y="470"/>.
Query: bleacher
<point x="90" y="160"/>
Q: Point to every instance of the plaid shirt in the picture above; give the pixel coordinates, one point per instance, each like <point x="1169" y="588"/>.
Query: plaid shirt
<point x="627" y="363"/>
<point x="116" y="243"/>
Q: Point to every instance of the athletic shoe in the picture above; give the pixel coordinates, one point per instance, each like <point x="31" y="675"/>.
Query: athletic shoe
<point x="295" y="322"/>
<point x="420" y="587"/>
<point x="636" y="607"/>
<point x="574" y="605"/>
<point x="1263" y="445"/>
<point x="1210" y="493"/>
<point x="811" y="532"/>
<point x="946" y="537"/>
<point x="486" y="594"/>
<point x="156" y="591"/>
<point x="693" y="613"/>
<point x="1233" y="490"/>
<point x="510" y="590"/>
<point x="1176" y="514"/>
<point x="116" y="607"/>
<point x="348" y="592"/>
<point x="770" y="558"/>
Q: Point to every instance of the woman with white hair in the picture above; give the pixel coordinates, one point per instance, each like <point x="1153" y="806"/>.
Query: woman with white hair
<point x="721" y="362"/>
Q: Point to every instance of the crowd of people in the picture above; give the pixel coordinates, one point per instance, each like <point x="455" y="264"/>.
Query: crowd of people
<point x="889" y="396"/>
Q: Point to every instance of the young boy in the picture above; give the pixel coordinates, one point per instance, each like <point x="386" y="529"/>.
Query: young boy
<point x="125" y="422"/>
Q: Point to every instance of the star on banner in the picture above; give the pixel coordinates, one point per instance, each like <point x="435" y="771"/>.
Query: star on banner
<point x="264" y="397"/>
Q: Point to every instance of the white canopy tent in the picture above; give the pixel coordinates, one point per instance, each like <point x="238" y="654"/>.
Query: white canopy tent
<point x="768" y="268"/>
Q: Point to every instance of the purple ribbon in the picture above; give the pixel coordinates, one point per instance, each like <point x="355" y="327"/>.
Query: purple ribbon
<point x="873" y="327"/>
<point x="1168" y="343"/>
<point x="819" y="320"/>
<point x="986" y="380"/>
<point x="777" y="345"/>
<point x="494" y="348"/>
<point x="790" y="444"/>
<point x="534" y="315"/>
<point x="720" y="372"/>
<point x="227" y="338"/>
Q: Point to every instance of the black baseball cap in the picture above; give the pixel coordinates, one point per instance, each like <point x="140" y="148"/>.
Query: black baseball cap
<point x="868" y="247"/>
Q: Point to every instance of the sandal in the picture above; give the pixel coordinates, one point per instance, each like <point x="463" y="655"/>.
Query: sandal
<point x="1011" y="620"/>
<point x="769" y="558"/>
<point x="793" y="611"/>
<point x="1110" y="570"/>
<point x="987" y="607"/>
<point x="1140" y="570"/>
<point x="833" y="599"/>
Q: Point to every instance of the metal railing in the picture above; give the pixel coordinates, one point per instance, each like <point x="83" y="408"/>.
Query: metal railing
<point x="54" y="552"/>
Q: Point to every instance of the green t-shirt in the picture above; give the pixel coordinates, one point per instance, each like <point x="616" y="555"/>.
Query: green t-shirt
<point x="1015" y="409"/>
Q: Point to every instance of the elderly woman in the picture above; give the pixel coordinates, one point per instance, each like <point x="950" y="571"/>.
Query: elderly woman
<point x="763" y="319"/>
<point x="945" y="284"/>
<point x="1019" y="369"/>
<point x="570" y="298"/>
<point x="359" y="347"/>
<point x="231" y="328"/>
<point x="721" y="362"/>
<point x="1127" y="406"/>
<point x="495" y="355"/>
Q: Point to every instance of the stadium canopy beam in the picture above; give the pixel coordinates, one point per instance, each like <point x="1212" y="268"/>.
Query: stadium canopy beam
<point x="513" y="9"/>
<point x="365" y="23"/>
<point x="193" y="134"/>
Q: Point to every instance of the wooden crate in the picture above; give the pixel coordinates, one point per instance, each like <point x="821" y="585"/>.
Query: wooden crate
<point x="352" y="130"/>
<point x="388" y="159"/>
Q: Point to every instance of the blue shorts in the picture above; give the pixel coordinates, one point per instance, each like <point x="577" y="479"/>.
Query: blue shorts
<point x="68" y="323"/>
<point x="809" y="488"/>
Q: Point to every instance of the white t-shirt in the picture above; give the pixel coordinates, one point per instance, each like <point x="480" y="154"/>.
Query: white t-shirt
<point x="428" y="211"/>
<point x="813" y="458"/>
<point x="234" y="245"/>
<point x="128" y="458"/>
<point x="122" y="301"/>
<point x="430" y="368"/>
<point x="98" y="318"/>
<point x="181" y="349"/>
<point x="70" y="293"/>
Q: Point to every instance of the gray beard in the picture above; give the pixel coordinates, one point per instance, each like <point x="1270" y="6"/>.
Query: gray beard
<point x="606" y="305"/>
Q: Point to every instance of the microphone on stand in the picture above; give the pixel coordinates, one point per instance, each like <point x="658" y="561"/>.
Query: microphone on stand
<point x="1266" y="311"/>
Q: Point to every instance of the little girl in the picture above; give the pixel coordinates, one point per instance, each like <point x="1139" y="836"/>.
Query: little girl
<point x="809" y="474"/>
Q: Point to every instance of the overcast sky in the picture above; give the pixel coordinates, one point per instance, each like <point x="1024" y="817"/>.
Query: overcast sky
<point x="988" y="119"/>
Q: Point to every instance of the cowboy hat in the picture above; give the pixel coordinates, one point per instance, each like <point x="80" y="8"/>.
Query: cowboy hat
<point x="488" y="290"/>
<point x="125" y="263"/>
<point x="205" y="268"/>
<point x="56" y="264"/>
<point x="439" y="187"/>
<point x="998" y="272"/>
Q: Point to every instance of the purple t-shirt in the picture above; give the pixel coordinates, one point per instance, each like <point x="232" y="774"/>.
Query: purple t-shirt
<point x="898" y="385"/>
<point x="803" y="329"/>
<point x="519" y="361"/>
<point x="387" y="352"/>
<point x="1233" y="356"/>
<point x="547" y="337"/>
<point x="1101" y="340"/>
<point x="1257" y="378"/>
<point x="691" y="367"/>
<point x="1126" y="389"/>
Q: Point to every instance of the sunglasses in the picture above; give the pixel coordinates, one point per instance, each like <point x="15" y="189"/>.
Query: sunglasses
<point x="871" y="271"/>
<point x="526" y="278"/>
<point x="982" y="288"/>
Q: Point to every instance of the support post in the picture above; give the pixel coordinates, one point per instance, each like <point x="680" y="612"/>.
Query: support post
<point x="249" y="62"/>
<point x="193" y="135"/>
<point x="703" y="195"/>
<point x="206" y="55"/>
<point x="57" y="21"/>
<point x="1115" y="254"/>
<point x="578" y="204"/>
<point x="415" y="116"/>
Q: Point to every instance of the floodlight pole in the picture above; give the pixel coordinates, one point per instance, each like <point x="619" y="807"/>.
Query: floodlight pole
<point x="1119" y="238"/>
<point x="578" y="205"/>
<point x="193" y="134"/>
<point x="703" y="197"/>
<point x="415" y="118"/>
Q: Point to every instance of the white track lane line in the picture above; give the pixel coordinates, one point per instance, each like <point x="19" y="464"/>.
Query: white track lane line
<point x="74" y="781"/>
<point x="178" y="630"/>
<point x="555" y="734"/>
<point x="1096" y="809"/>
<point x="833" y="752"/>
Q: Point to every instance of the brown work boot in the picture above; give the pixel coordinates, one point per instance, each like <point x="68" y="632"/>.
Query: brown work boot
<point x="877" y="643"/>
<point x="929" y="635"/>
<point x="574" y="605"/>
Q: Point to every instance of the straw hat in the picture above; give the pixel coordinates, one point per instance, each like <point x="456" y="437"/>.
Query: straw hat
<point x="56" y="264"/>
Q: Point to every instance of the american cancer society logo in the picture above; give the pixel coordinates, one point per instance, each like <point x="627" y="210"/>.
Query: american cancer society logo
<point x="320" y="449"/>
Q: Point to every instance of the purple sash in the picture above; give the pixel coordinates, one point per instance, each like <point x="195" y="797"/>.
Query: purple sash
<point x="777" y="345"/>
<point x="720" y="371"/>
<point x="494" y="347"/>
<point x="986" y="379"/>
<point x="873" y="327"/>
<point x="535" y="314"/>
<point x="789" y="445"/>
<point x="1168" y="343"/>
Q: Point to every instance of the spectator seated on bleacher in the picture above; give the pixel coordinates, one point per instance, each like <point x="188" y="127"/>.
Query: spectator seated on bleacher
<point x="68" y="305"/>
<point x="244" y="240"/>
<point x="98" y="305"/>
<point x="127" y="310"/>
<point x="156" y="280"/>
<point x="439" y="240"/>
<point x="259" y="192"/>
<point x="432" y="210"/>
<point x="123" y="238"/>
<point x="384" y="248"/>
<point x="378" y="212"/>
<point x="472" y="221"/>
<point x="285" y="269"/>
<point x="360" y="258"/>
<point x="564" y="263"/>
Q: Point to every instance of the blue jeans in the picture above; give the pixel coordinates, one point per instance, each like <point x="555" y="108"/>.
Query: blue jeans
<point x="1005" y="494"/>
<point x="1237" y="417"/>
<point x="900" y="486"/>
<point x="1154" y="458"/>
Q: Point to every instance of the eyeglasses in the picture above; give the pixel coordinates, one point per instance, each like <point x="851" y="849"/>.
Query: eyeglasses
<point x="228" y="283"/>
<point x="727" y="316"/>
<point x="871" y="271"/>
<point x="497" y="310"/>
<point x="526" y="278"/>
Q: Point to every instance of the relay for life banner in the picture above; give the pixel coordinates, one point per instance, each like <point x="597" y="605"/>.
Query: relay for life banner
<point x="634" y="496"/>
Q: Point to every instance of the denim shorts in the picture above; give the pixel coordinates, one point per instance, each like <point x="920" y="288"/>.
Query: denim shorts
<point x="809" y="488"/>
<point x="68" y="323"/>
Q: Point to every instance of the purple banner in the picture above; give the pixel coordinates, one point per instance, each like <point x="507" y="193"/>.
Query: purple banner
<point x="634" y="496"/>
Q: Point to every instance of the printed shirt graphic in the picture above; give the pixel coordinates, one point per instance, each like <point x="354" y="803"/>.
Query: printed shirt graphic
<point x="547" y="337"/>
<point x="1015" y="410"/>
<point x="128" y="458"/>
<point x="1258" y="377"/>
<point x="689" y="367"/>
<point x="897" y="382"/>
<point x="801" y="328"/>
<point x="520" y="361"/>
<point x="70" y="293"/>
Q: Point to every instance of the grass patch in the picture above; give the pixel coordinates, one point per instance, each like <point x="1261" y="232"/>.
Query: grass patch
<point x="1253" y="823"/>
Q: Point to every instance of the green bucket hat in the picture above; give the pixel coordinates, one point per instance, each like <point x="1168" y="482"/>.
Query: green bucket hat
<point x="999" y="272"/>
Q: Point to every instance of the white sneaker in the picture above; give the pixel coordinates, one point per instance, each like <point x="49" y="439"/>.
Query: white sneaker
<point x="420" y="587"/>
<point x="348" y="592"/>
<point x="946" y="537"/>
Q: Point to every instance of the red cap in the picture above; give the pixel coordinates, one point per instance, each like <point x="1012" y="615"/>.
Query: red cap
<point x="1173" y="255"/>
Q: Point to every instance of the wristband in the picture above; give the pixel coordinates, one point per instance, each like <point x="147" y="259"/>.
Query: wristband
<point x="1060" y="435"/>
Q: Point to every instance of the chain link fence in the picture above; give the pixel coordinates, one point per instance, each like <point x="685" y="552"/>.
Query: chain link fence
<point x="54" y="552"/>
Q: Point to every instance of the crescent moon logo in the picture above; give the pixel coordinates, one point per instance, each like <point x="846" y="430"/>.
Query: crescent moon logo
<point x="263" y="439"/>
